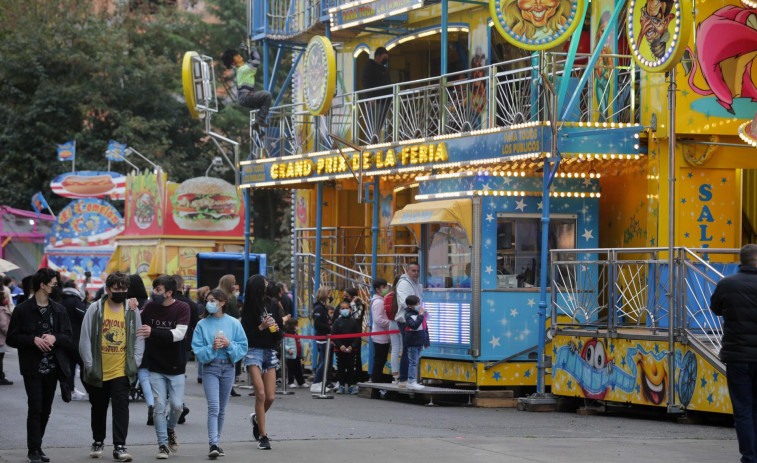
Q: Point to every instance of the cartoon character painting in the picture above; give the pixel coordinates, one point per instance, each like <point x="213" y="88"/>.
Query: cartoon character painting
<point x="655" y="19"/>
<point x="653" y="376"/>
<point x="595" y="356"/>
<point x="536" y="19"/>
<point x="726" y="46"/>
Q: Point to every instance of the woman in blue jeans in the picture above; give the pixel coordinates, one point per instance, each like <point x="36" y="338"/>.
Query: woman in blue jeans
<point x="219" y="341"/>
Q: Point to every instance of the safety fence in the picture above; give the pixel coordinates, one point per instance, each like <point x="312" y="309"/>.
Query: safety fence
<point x="484" y="98"/>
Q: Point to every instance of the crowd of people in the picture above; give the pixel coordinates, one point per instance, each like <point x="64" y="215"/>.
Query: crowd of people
<point x="125" y="340"/>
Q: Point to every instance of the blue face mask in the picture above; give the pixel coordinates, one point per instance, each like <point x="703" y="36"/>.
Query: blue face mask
<point x="345" y="312"/>
<point x="211" y="307"/>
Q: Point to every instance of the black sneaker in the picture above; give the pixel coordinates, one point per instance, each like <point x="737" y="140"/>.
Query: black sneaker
<point x="255" y="427"/>
<point x="214" y="452"/>
<point x="44" y="457"/>
<point x="264" y="443"/>
<point x="35" y="456"/>
<point x="163" y="452"/>
<point x="5" y="382"/>
<point x="183" y="416"/>
<point x="221" y="453"/>
<point x="120" y="453"/>
<point x="173" y="442"/>
<point x="96" y="451"/>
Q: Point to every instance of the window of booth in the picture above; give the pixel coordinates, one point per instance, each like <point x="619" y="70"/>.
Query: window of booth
<point x="448" y="258"/>
<point x="519" y="247"/>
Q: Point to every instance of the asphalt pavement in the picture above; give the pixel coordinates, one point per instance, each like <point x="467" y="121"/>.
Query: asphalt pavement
<point x="354" y="429"/>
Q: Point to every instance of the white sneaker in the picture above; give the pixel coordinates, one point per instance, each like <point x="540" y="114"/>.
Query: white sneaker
<point x="315" y="388"/>
<point x="305" y="385"/>
<point x="78" y="395"/>
<point x="402" y="384"/>
<point x="415" y="386"/>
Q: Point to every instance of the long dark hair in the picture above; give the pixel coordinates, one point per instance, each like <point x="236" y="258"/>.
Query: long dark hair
<point x="256" y="302"/>
<point x="219" y="295"/>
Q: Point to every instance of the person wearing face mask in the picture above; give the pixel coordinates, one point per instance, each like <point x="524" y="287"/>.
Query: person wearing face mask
<point x="380" y="323"/>
<point x="111" y="352"/>
<point x="376" y="75"/>
<point x="218" y="342"/>
<point x="166" y="322"/>
<point x="40" y="329"/>
<point x="322" y="327"/>
<point x="345" y="349"/>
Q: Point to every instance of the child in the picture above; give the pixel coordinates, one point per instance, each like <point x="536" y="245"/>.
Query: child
<point x="415" y="338"/>
<point x="345" y="348"/>
<point x="293" y="356"/>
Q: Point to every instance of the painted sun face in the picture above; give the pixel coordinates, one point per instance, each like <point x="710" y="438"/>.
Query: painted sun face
<point x="653" y="20"/>
<point x="538" y="12"/>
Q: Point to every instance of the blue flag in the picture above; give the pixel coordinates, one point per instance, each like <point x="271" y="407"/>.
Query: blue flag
<point x="67" y="151"/>
<point x="38" y="203"/>
<point x="115" y="151"/>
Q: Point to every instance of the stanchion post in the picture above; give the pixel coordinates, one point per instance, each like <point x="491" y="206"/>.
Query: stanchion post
<point x="283" y="362"/>
<point x="324" y="380"/>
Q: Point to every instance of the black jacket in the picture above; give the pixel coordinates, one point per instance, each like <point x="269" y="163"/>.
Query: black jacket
<point x="415" y="332"/>
<point x="24" y="327"/>
<point x="376" y="75"/>
<point x="346" y="325"/>
<point x="735" y="299"/>
<point x="321" y="319"/>
<point x="75" y="308"/>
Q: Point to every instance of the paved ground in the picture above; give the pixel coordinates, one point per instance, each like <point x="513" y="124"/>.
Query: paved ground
<point x="350" y="429"/>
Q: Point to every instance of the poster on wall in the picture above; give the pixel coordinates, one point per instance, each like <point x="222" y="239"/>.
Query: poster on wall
<point x="90" y="224"/>
<point x="718" y="90"/>
<point x="89" y="184"/>
<point x="145" y="203"/>
<point x="182" y="260"/>
<point x="204" y="204"/>
<point x="74" y="265"/>
<point x="536" y="25"/>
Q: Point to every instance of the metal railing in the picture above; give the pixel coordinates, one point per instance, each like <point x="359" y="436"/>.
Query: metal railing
<point x="283" y="19"/>
<point x="498" y="95"/>
<point x="626" y="290"/>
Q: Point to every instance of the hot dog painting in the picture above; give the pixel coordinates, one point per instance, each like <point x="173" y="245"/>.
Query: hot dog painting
<point x="89" y="184"/>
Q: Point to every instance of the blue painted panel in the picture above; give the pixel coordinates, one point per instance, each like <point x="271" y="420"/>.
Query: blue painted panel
<point x="509" y="323"/>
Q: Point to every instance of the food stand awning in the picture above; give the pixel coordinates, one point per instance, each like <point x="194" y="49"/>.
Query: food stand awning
<point x="447" y="211"/>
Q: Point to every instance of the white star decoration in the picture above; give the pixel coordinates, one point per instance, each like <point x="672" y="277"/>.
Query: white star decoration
<point x="494" y="342"/>
<point x="540" y="205"/>
<point x="520" y="205"/>
<point x="588" y="234"/>
<point x="489" y="269"/>
<point x="507" y="180"/>
<point x="514" y="312"/>
<point x="587" y="182"/>
<point x="489" y="217"/>
<point x="531" y="302"/>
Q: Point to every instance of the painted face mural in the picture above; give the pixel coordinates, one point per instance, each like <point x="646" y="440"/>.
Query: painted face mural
<point x="538" y="12"/>
<point x="653" y="375"/>
<point x="595" y="356"/>
<point x="655" y="18"/>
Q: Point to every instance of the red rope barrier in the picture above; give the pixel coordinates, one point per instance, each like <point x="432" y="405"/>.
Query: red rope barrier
<point x="339" y="336"/>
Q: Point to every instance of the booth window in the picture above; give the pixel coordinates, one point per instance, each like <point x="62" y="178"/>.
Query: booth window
<point x="449" y="256"/>
<point x="519" y="247"/>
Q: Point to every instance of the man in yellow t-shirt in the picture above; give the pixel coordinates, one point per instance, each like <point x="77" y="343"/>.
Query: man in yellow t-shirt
<point x="111" y="351"/>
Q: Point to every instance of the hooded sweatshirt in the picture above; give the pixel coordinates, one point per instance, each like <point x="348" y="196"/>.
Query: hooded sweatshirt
<point x="380" y="320"/>
<point x="406" y="287"/>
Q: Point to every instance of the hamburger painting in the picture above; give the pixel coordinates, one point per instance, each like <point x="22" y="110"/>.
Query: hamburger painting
<point x="206" y="204"/>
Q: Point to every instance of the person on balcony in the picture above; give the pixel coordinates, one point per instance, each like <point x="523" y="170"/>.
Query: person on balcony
<point x="376" y="74"/>
<point x="247" y="96"/>
<point x="735" y="299"/>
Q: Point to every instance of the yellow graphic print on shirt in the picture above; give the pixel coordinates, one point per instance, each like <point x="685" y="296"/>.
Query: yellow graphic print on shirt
<point x="113" y="343"/>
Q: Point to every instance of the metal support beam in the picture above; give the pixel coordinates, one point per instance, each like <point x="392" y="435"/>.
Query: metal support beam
<point x="671" y="296"/>
<point x="445" y="14"/>
<point x="288" y="79"/>
<point x="266" y="77"/>
<point x="571" y="58"/>
<point x="592" y="61"/>
<point x="318" y="236"/>
<point x="275" y="69"/>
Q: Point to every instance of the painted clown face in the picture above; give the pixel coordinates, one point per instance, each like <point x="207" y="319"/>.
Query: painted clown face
<point x="654" y="21"/>
<point x="538" y="12"/>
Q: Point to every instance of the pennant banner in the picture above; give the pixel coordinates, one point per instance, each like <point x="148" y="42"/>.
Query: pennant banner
<point x="115" y="151"/>
<point x="67" y="151"/>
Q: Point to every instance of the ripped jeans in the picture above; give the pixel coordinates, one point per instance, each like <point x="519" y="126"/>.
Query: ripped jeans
<point x="167" y="390"/>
